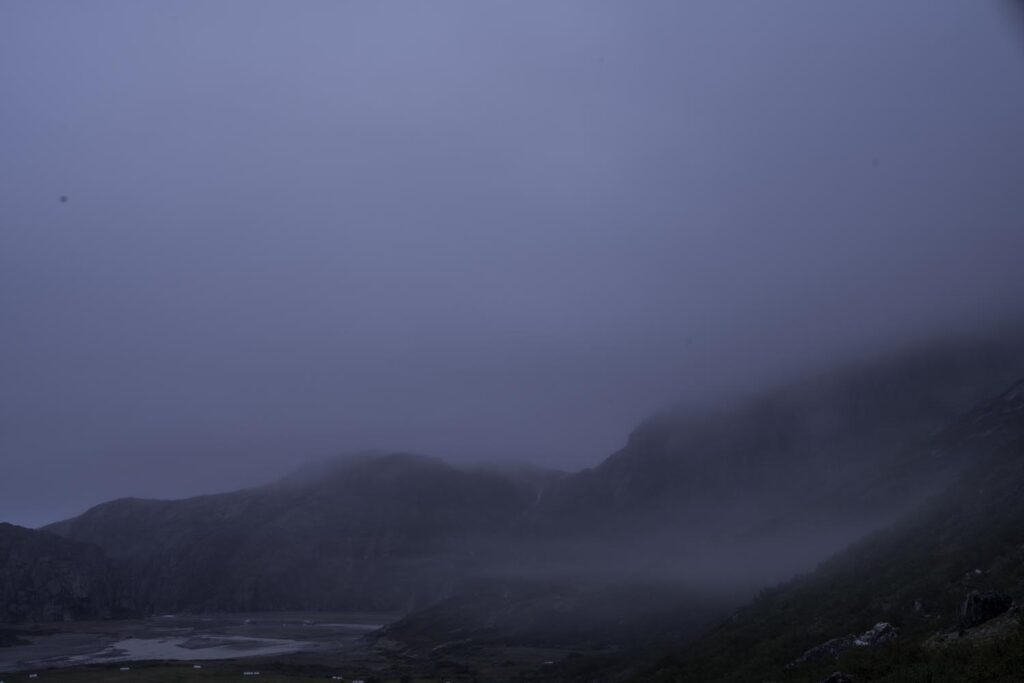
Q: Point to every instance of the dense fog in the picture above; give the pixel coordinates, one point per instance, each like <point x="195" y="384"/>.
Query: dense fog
<point x="240" y="236"/>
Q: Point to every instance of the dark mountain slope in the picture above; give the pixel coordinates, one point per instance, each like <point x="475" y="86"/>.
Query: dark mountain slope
<point x="512" y="613"/>
<point x="916" y="575"/>
<point x="744" y="495"/>
<point x="47" y="578"/>
<point x="364" y="532"/>
<point x="811" y="464"/>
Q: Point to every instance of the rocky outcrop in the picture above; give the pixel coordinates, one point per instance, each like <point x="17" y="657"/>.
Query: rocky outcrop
<point x="826" y="652"/>
<point x="878" y="634"/>
<point x="839" y="677"/>
<point x="881" y="632"/>
<point x="979" y="607"/>
<point x="47" y="578"/>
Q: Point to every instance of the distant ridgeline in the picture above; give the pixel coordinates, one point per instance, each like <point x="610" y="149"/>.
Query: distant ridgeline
<point x="808" y="467"/>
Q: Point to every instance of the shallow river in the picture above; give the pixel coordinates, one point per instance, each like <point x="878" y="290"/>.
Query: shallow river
<point x="188" y="638"/>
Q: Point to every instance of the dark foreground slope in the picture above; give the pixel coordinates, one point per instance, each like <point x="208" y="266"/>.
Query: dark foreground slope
<point x="916" y="575"/>
<point x="47" y="578"/>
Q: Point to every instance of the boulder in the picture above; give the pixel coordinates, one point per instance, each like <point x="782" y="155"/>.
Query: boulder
<point x="978" y="607"/>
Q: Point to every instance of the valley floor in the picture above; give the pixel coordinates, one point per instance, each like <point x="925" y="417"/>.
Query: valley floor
<point x="281" y="646"/>
<point x="192" y="638"/>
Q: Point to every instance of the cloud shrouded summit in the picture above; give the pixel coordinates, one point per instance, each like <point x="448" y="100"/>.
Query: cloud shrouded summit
<point x="501" y="231"/>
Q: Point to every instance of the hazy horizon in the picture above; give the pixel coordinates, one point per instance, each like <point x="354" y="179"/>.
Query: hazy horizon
<point x="488" y="233"/>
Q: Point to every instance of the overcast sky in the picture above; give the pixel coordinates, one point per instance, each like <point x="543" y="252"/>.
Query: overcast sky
<point x="483" y="230"/>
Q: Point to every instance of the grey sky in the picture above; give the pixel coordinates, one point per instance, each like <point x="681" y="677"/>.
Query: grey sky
<point x="475" y="229"/>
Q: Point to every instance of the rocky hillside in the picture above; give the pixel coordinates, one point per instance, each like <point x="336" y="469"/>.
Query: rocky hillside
<point x="804" y="468"/>
<point x="47" y="578"/>
<point x="948" y="579"/>
<point x="800" y="440"/>
<point x="715" y="546"/>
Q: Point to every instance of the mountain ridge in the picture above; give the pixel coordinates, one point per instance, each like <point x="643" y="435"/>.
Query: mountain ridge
<point x="400" y="531"/>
